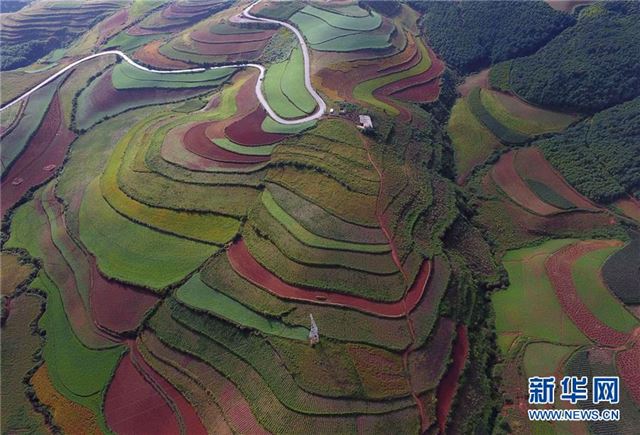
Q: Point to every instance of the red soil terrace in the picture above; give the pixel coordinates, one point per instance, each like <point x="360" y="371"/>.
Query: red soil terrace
<point x="505" y="175"/>
<point x="247" y="131"/>
<point x="150" y="55"/>
<point x="628" y="363"/>
<point x="208" y="37"/>
<point x="188" y="416"/>
<point x="196" y="141"/>
<point x="133" y="406"/>
<point x="246" y="266"/>
<point x="559" y="270"/>
<point x="45" y="151"/>
<point x="530" y="163"/>
<point x="434" y="71"/>
<point x="449" y="383"/>
<point x="421" y="93"/>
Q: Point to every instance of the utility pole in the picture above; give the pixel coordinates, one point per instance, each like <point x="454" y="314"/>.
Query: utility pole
<point x="314" y="337"/>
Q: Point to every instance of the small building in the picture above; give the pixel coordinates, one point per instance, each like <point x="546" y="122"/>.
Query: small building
<point x="314" y="336"/>
<point x="365" y="122"/>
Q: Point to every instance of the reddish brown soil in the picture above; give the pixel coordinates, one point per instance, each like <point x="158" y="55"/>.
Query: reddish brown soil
<point x="436" y="69"/>
<point x="198" y="143"/>
<point x="234" y="406"/>
<point x="213" y="38"/>
<point x="136" y="30"/>
<point x="430" y="361"/>
<point x="112" y="25"/>
<point x="478" y="80"/>
<point x="227" y="49"/>
<point x="630" y="206"/>
<point x="105" y="98"/>
<point x="188" y="416"/>
<point x="117" y="307"/>
<point x="628" y="363"/>
<point x="114" y="306"/>
<point x="150" y="55"/>
<point x="173" y="151"/>
<point x="530" y="163"/>
<point x="558" y="268"/>
<point x="449" y="383"/>
<point x="47" y="147"/>
<point x="505" y="175"/>
<point x="246" y="266"/>
<point x="247" y="131"/>
<point x="404" y="60"/>
<point x="421" y="93"/>
<point x="133" y="406"/>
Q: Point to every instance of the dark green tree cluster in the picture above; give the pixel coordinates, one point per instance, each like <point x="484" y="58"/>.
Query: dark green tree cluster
<point x="587" y="68"/>
<point x="471" y="35"/>
<point x="14" y="56"/>
<point x="600" y="156"/>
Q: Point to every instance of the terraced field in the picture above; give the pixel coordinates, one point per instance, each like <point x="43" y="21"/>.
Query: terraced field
<point x="202" y="234"/>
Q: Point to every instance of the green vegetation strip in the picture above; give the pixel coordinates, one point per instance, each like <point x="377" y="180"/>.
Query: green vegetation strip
<point x="531" y="297"/>
<point x="548" y="195"/>
<point x="198" y="295"/>
<point x="362" y="23"/>
<point x="599" y="300"/>
<point x="364" y="91"/>
<point x="81" y="374"/>
<point x="311" y="239"/>
<point x="502" y="131"/>
<point x="126" y="76"/>
<point x="271" y="126"/>
<point x="224" y="143"/>
<point x="134" y="253"/>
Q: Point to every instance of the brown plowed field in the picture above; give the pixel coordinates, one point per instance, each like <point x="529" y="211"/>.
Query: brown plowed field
<point x="436" y="69"/>
<point x="198" y="143"/>
<point x="189" y="418"/>
<point x="46" y="148"/>
<point x="173" y="151"/>
<point x="559" y="269"/>
<point x="505" y="175"/>
<point x="628" y="364"/>
<point x="247" y="131"/>
<point x="150" y="55"/>
<point x="421" y="93"/>
<point x="213" y="38"/>
<point x="246" y="266"/>
<point x="630" y="207"/>
<point x="478" y="80"/>
<point x="449" y="383"/>
<point x="530" y="163"/>
<point x="133" y="406"/>
<point x="228" y="48"/>
<point x="112" y="25"/>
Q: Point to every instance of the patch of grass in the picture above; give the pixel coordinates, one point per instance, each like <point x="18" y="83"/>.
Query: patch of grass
<point x="328" y="193"/>
<point x="472" y="142"/>
<point x="364" y="90"/>
<point x="362" y="22"/>
<point x="317" y="31"/>
<point x="545" y="359"/>
<point x="135" y="253"/>
<point x="226" y="144"/>
<point x="207" y="227"/>
<point x="15" y="142"/>
<point x="126" y="76"/>
<point x="591" y="289"/>
<point x="358" y="41"/>
<point x="18" y="347"/>
<point x="271" y="126"/>
<point x="13" y="272"/>
<point x="79" y="373"/>
<point x="548" y="195"/>
<point x="532" y="125"/>
<point x="196" y="294"/>
<point x="311" y="239"/>
<point x="502" y="131"/>
<point x="127" y="43"/>
<point x="499" y="76"/>
<point x="529" y="305"/>
<point x="285" y="90"/>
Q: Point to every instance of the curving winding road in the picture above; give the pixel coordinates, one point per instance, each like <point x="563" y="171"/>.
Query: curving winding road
<point x="246" y="17"/>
